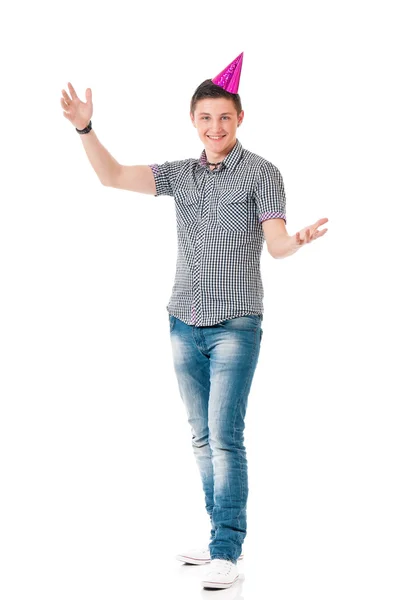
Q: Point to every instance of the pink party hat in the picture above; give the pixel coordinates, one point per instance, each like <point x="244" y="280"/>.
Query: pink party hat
<point x="230" y="76"/>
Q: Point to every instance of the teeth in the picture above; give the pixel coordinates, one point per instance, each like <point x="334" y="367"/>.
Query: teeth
<point x="213" y="137"/>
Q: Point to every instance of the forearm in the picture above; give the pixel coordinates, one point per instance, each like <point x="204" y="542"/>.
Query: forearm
<point x="101" y="160"/>
<point x="282" y="246"/>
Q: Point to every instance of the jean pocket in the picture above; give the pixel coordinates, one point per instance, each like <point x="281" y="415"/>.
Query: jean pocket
<point x="172" y="322"/>
<point x="245" y="322"/>
<point x="187" y="202"/>
<point x="255" y="318"/>
<point x="232" y="210"/>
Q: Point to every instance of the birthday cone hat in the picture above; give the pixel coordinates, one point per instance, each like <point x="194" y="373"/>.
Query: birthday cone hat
<point x="229" y="78"/>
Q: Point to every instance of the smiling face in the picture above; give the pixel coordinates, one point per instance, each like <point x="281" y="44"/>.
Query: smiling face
<point x="216" y="120"/>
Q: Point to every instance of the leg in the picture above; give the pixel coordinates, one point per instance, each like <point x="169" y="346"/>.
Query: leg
<point x="192" y="368"/>
<point x="234" y="347"/>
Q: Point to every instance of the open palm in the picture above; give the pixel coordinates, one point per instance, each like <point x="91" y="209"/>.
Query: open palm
<point x="310" y="233"/>
<point x="77" y="112"/>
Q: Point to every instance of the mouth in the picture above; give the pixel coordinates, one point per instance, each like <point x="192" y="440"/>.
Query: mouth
<point x="216" y="138"/>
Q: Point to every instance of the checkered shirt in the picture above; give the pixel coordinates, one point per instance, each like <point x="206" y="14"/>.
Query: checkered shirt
<point x="220" y="238"/>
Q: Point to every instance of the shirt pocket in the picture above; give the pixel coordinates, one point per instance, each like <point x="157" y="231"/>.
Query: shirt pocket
<point x="187" y="202"/>
<point x="232" y="210"/>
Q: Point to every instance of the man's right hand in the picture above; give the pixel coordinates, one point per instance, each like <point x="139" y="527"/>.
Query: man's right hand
<point x="77" y="112"/>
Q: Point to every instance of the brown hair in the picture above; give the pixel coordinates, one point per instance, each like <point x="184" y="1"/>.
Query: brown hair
<point x="208" y="89"/>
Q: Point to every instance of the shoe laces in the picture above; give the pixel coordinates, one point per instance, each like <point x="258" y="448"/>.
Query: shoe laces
<point x="221" y="566"/>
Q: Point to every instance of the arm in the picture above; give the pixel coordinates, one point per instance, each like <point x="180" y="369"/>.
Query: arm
<point x="101" y="160"/>
<point x="112" y="174"/>
<point x="109" y="171"/>
<point x="136" y="178"/>
<point x="280" y="244"/>
<point x="276" y="237"/>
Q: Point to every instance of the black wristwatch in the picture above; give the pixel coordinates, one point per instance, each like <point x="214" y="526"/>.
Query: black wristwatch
<point x="86" y="129"/>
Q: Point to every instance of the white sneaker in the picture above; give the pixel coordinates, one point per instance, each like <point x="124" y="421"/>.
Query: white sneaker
<point x="197" y="557"/>
<point x="222" y="574"/>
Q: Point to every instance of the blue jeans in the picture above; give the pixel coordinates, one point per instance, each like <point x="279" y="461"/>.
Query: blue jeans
<point x="215" y="366"/>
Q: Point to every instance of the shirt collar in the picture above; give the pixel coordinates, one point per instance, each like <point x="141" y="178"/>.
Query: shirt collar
<point x="230" y="161"/>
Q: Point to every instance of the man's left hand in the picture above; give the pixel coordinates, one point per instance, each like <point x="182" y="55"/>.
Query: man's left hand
<point x="310" y="233"/>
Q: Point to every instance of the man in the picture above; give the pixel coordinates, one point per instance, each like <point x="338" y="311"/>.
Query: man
<point x="227" y="202"/>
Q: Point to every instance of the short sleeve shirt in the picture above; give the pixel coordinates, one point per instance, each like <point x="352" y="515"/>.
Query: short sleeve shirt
<point x="219" y="233"/>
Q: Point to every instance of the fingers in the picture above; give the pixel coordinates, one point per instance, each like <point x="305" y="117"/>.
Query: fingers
<point x="66" y="97"/>
<point x="320" y="222"/>
<point x="72" y="90"/>
<point x="305" y="236"/>
<point x="321" y="233"/>
<point x="318" y="234"/>
<point x="64" y="105"/>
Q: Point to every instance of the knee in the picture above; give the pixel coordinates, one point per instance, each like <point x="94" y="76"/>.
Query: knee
<point x="222" y="436"/>
<point x="200" y="439"/>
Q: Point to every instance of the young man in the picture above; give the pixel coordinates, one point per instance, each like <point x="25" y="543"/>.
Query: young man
<point x="227" y="202"/>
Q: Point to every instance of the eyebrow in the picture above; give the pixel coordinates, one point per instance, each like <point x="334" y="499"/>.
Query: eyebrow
<point x="226" y="113"/>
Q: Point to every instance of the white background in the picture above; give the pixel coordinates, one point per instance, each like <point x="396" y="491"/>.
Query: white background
<point x="99" y="488"/>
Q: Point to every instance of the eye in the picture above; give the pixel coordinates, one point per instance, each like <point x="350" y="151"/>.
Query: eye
<point x="225" y="117"/>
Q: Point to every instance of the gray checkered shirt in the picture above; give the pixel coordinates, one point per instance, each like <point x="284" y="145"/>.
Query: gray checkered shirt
<point x="220" y="238"/>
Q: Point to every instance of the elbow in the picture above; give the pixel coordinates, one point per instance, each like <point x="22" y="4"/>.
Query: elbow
<point x="110" y="180"/>
<point x="107" y="183"/>
<point x="270" y="251"/>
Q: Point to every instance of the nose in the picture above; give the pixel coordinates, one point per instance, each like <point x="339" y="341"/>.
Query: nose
<point x="217" y="129"/>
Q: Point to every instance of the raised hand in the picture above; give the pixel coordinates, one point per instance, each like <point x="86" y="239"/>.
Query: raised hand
<point x="77" y="112"/>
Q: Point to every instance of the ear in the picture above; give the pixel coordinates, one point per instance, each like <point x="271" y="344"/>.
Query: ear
<point x="192" y="119"/>
<point x="240" y="117"/>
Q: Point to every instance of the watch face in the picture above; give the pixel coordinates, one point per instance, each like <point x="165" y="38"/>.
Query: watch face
<point x="86" y="129"/>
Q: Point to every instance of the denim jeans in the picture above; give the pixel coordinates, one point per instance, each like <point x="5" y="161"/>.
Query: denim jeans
<point x="215" y="366"/>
